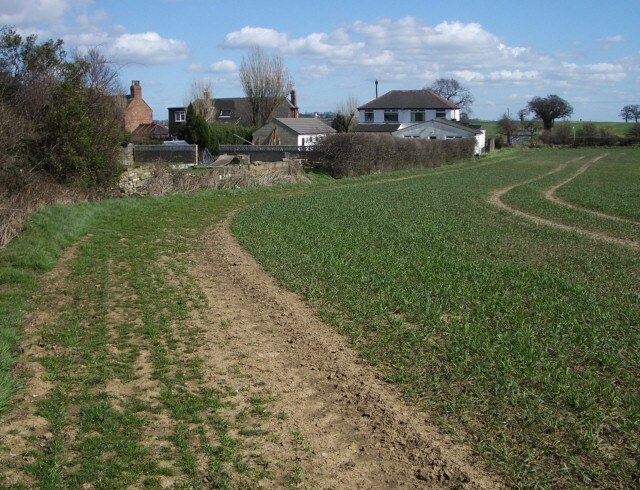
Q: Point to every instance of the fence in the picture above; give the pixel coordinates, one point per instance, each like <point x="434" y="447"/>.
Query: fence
<point x="165" y="153"/>
<point x="271" y="153"/>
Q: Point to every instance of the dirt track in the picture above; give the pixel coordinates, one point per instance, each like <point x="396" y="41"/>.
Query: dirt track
<point x="496" y="199"/>
<point x="359" y="432"/>
<point x="341" y="424"/>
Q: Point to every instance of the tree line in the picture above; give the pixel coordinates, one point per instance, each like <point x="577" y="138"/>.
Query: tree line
<point x="58" y="111"/>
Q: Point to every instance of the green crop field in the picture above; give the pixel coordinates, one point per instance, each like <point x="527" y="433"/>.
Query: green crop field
<point x="500" y="294"/>
<point x="522" y="338"/>
<point x="617" y="128"/>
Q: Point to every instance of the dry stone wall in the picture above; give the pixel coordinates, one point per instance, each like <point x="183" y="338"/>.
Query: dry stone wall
<point x="135" y="181"/>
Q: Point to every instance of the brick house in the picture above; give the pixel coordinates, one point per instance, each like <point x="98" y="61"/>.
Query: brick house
<point x="136" y="110"/>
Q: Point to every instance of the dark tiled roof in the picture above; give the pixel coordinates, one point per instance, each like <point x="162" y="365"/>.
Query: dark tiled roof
<point x="306" y="125"/>
<point x="377" y="128"/>
<point x="151" y="129"/>
<point x="238" y="110"/>
<point x="409" y="99"/>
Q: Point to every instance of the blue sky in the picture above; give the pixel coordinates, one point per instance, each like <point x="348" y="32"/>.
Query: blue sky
<point x="505" y="52"/>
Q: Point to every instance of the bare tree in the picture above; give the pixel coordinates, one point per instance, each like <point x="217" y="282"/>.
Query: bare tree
<point x="266" y="83"/>
<point x="101" y="75"/>
<point x="201" y="96"/>
<point x="507" y="127"/>
<point x="349" y="110"/>
<point x="452" y="90"/>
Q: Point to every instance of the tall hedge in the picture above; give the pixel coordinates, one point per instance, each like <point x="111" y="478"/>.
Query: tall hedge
<point x="352" y="154"/>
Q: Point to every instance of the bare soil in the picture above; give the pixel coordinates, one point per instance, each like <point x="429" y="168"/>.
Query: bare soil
<point x="358" y="431"/>
<point x="333" y="419"/>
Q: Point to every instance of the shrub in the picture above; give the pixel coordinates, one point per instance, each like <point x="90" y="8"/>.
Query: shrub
<point x="228" y="134"/>
<point x="634" y="131"/>
<point x="351" y="154"/>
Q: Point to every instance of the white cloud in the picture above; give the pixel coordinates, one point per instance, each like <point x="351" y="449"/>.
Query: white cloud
<point x="147" y="48"/>
<point x="223" y="66"/>
<point x="316" y="72"/>
<point x="413" y="52"/>
<point x="514" y="75"/>
<point x="255" y="36"/>
<point x="30" y="13"/>
<point x="614" y="39"/>
<point x="598" y="72"/>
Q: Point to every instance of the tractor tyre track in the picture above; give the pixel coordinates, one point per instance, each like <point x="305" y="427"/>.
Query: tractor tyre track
<point x="496" y="199"/>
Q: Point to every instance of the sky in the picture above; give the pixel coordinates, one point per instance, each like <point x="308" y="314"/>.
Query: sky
<point x="504" y="52"/>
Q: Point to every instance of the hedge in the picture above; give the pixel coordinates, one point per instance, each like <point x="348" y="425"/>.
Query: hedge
<point x="353" y="154"/>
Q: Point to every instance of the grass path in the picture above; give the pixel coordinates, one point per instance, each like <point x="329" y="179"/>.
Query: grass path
<point x="550" y="194"/>
<point x="132" y="375"/>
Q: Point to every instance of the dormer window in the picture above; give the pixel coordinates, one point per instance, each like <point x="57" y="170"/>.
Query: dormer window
<point x="368" y="116"/>
<point x="225" y="113"/>
<point x="181" y="116"/>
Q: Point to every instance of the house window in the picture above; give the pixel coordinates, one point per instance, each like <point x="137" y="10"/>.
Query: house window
<point x="433" y="137"/>
<point x="417" y="116"/>
<point x="441" y="113"/>
<point x="368" y="116"/>
<point x="181" y="116"/>
<point x="225" y="113"/>
<point x="390" y="116"/>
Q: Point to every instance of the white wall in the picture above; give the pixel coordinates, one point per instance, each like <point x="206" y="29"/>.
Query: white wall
<point x="404" y="115"/>
<point x="309" y="139"/>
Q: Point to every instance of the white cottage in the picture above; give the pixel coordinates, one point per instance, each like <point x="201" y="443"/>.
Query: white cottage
<point x="406" y="107"/>
<point x="416" y="114"/>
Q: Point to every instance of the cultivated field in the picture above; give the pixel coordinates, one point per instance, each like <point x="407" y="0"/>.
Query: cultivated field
<point x="510" y="313"/>
<point x="498" y="296"/>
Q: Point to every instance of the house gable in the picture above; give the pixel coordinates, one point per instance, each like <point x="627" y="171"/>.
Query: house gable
<point x="136" y="111"/>
<point x="293" y="131"/>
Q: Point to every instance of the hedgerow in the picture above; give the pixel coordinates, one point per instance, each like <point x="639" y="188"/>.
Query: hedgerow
<point x="352" y="154"/>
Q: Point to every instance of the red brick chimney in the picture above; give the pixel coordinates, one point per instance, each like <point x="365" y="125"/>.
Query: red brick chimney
<point x="294" y="111"/>
<point x="136" y="89"/>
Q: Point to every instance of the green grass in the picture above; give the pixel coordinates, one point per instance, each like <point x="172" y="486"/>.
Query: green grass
<point x="617" y="128"/>
<point x="610" y="186"/>
<point x="129" y="297"/>
<point x="620" y="196"/>
<point x="521" y="338"/>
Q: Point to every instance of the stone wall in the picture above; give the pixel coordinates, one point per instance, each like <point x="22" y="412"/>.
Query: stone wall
<point x="135" y="181"/>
